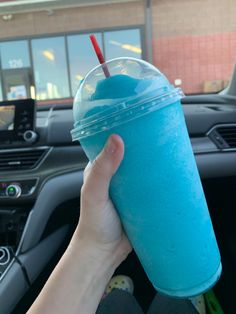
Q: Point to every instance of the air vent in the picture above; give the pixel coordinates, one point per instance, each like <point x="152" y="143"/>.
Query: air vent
<point x="228" y="133"/>
<point x="21" y="159"/>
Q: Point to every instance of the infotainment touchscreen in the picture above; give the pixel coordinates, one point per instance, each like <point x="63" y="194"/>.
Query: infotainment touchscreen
<point x="16" y="117"/>
<point x="7" y="115"/>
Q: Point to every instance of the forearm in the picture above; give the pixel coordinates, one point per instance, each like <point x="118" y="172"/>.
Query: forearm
<point x="77" y="283"/>
<point x="98" y="246"/>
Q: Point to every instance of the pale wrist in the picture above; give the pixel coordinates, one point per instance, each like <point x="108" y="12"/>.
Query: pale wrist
<point x="84" y="272"/>
<point x="97" y="268"/>
<point x="95" y="255"/>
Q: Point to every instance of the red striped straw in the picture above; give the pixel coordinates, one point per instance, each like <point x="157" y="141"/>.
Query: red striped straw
<point x="99" y="55"/>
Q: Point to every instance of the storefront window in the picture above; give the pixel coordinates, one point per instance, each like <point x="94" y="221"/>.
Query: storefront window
<point x="58" y="63"/>
<point x="15" y="54"/>
<point x="123" y="43"/>
<point x="82" y="57"/>
<point x="50" y="68"/>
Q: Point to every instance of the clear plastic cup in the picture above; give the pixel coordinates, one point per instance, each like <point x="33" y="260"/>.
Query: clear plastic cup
<point x="157" y="190"/>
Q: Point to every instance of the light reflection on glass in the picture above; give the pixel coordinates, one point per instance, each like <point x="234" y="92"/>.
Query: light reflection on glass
<point x="49" y="55"/>
<point x="79" y="77"/>
<point x="132" y="48"/>
<point x="123" y="43"/>
<point x="50" y="69"/>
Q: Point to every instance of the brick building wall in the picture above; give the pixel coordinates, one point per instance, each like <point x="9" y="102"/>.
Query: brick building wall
<point x="193" y="40"/>
<point x="73" y="19"/>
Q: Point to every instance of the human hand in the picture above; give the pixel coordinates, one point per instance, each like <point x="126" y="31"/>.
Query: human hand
<point x="98" y="245"/>
<point x="99" y="226"/>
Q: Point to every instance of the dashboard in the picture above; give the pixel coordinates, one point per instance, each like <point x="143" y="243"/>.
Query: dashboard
<point x="35" y="179"/>
<point x="27" y="168"/>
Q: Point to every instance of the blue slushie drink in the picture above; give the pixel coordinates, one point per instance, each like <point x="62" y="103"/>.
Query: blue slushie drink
<point x="157" y="190"/>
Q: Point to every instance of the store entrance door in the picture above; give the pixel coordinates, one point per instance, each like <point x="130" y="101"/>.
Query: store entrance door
<point x="17" y="84"/>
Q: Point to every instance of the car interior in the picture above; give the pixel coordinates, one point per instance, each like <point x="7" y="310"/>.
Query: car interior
<point x="41" y="175"/>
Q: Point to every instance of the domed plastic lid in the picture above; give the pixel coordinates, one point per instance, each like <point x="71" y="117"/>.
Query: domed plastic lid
<point x="134" y="88"/>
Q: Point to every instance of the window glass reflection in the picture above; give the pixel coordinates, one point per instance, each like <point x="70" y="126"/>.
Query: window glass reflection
<point x="50" y="69"/>
<point x="82" y="57"/>
<point x="123" y="43"/>
<point x="15" y="54"/>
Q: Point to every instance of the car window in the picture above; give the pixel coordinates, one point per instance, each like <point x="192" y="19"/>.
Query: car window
<point x="45" y="49"/>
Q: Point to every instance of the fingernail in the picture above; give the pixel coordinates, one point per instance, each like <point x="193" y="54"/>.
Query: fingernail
<point x="110" y="147"/>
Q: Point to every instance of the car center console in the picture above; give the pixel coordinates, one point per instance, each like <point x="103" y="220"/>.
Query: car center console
<point x="12" y="224"/>
<point x="17" y="189"/>
<point x="40" y="169"/>
<point x="13" y="218"/>
<point x="17" y="129"/>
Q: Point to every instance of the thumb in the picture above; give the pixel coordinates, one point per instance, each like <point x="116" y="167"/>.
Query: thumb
<point x="100" y="172"/>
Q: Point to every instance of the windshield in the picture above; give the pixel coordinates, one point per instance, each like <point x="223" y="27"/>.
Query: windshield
<point x="45" y="49"/>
